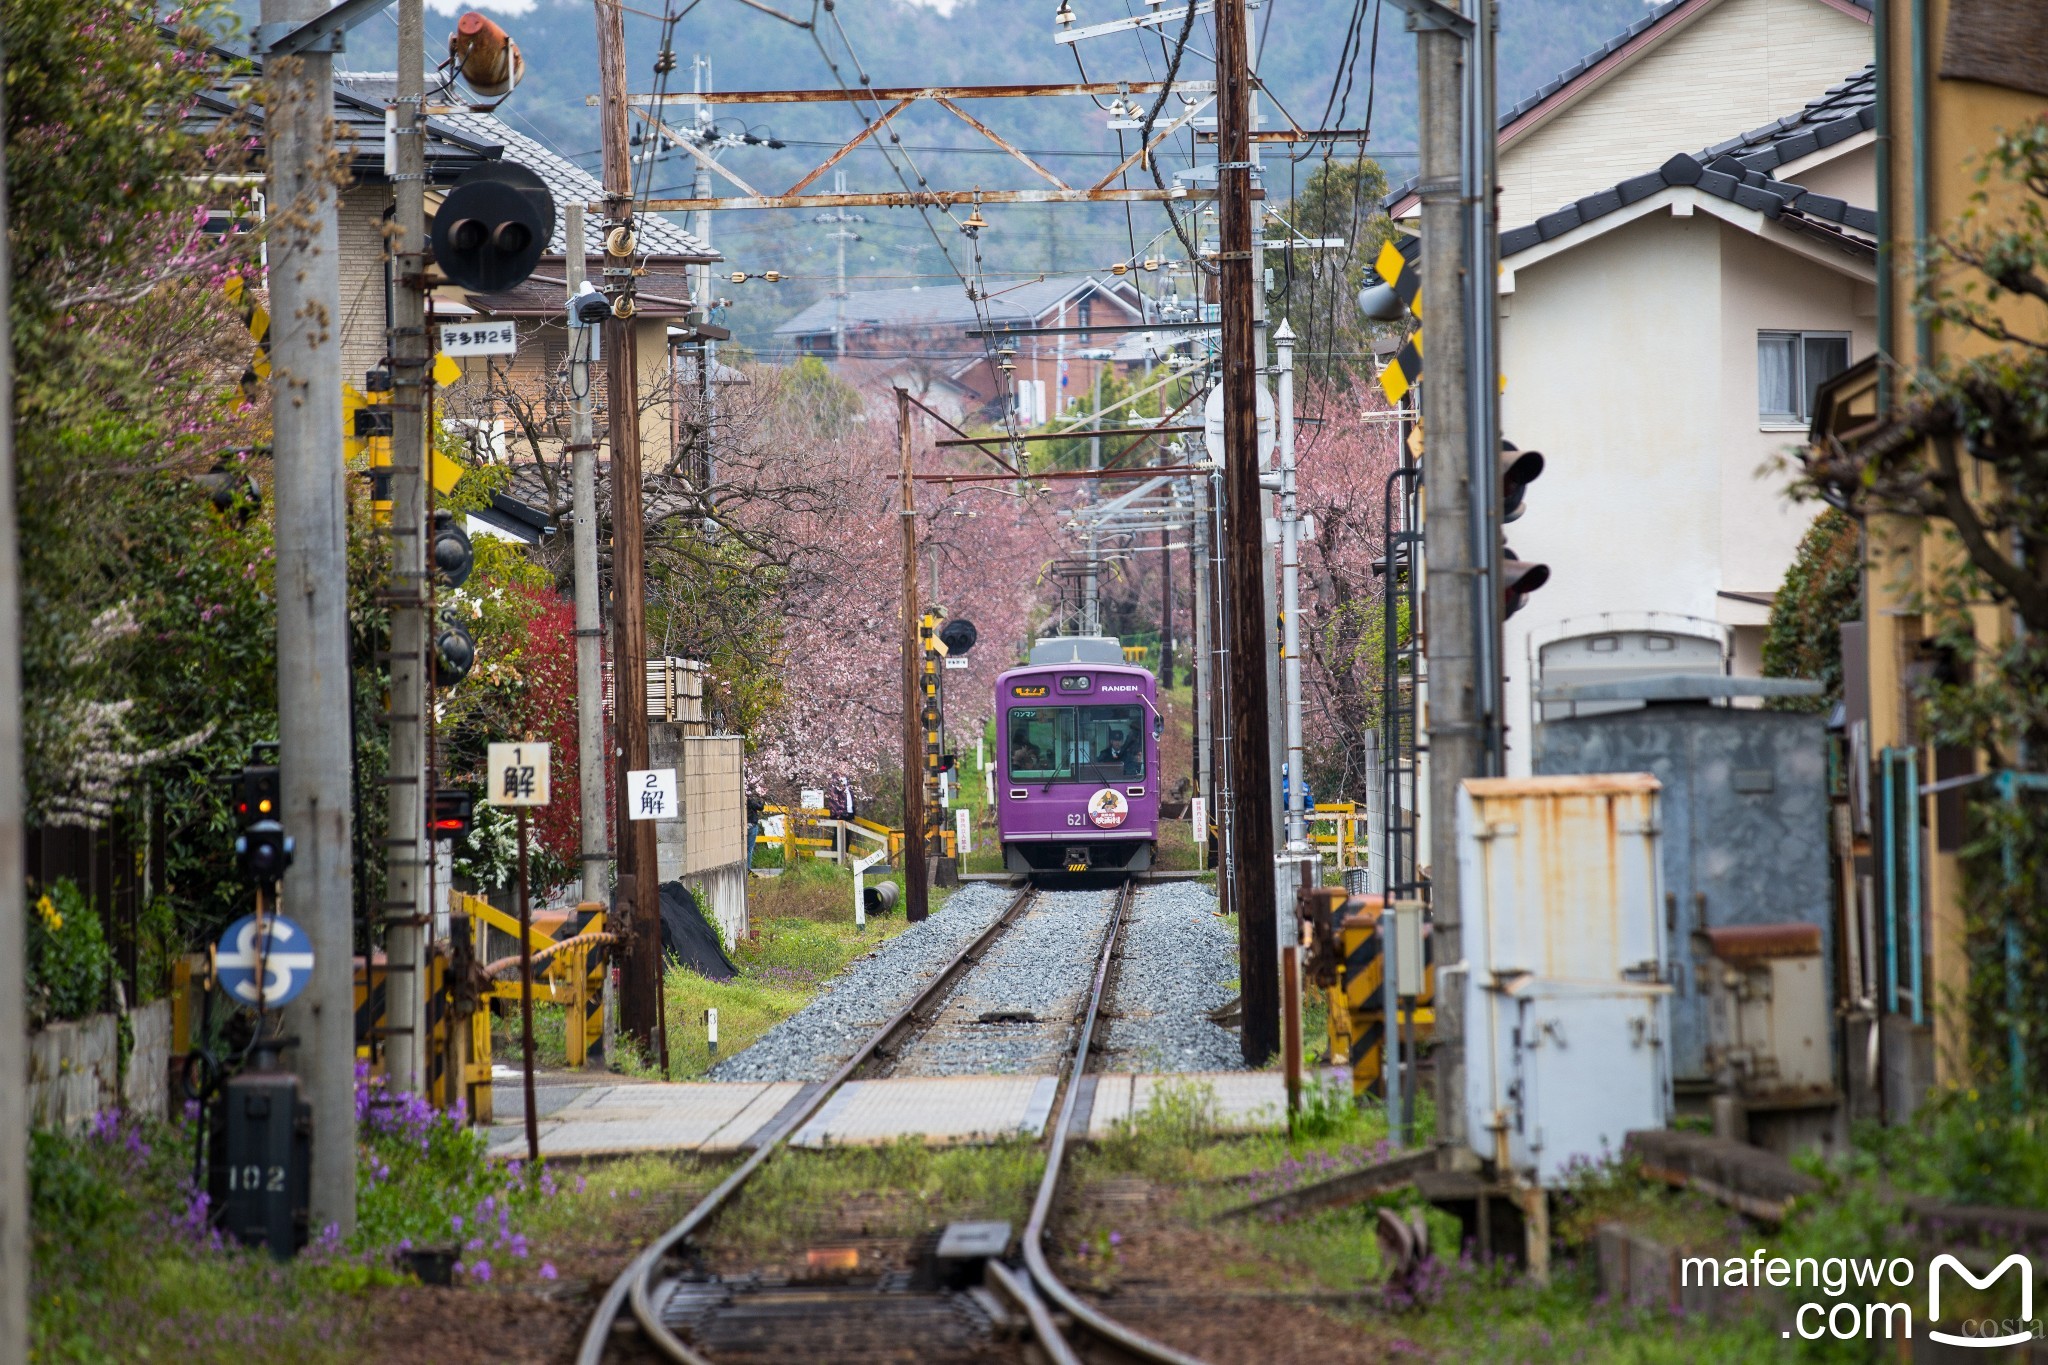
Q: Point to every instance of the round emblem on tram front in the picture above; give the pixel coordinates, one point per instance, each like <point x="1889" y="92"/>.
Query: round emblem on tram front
<point x="1107" y="808"/>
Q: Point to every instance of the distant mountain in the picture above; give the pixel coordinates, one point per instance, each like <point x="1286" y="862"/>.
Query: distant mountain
<point x="969" y="42"/>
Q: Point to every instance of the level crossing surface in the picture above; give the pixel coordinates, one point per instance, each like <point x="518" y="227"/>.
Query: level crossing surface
<point x="584" y="1116"/>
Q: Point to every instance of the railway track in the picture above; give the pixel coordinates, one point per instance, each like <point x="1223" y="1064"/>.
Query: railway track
<point x="657" y="1302"/>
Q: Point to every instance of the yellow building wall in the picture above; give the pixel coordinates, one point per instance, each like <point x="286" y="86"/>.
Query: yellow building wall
<point x="1959" y="120"/>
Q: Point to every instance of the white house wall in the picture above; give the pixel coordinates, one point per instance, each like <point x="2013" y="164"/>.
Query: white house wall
<point x="1760" y="59"/>
<point x="1631" y="363"/>
<point x="1846" y="171"/>
<point x="1613" y="355"/>
<point x="1765" y="288"/>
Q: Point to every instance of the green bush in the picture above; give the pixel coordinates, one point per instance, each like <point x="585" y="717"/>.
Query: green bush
<point x="69" y="962"/>
<point x="1822" y="589"/>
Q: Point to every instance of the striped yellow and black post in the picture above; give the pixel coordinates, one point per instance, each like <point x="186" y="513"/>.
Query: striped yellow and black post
<point x="1358" y="983"/>
<point x="1357" y="1015"/>
<point x="1404" y="277"/>
<point x="585" y="968"/>
<point x="257" y="318"/>
<point x="935" y="818"/>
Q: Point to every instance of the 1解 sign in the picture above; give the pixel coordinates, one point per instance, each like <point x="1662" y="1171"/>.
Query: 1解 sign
<point x="518" y="775"/>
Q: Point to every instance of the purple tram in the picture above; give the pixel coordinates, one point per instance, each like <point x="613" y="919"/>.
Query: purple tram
<point x="1078" y="739"/>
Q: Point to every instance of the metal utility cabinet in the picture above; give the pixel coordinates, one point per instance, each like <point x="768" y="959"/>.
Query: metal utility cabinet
<point x="1567" y="1008"/>
<point x="1745" y="820"/>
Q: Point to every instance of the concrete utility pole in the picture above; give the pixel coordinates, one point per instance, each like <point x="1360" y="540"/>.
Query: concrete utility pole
<point x="1199" y="571"/>
<point x="915" y="899"/>
<point x="312" y="593"/>
<point x="596" y="851"/>
<point x="406" y="911"/>
<point x="1251" y="814"/>
<point x="1455" y="746"/>
<point x="639" y="895"/>
<point x="1290" y="598"/>
<point x="707" y="348"/>
<point x="1166" y="606"/>
<point x="14" y="1239"/>
<point x="842" y="236"/>
<point x="1091" y="595"/>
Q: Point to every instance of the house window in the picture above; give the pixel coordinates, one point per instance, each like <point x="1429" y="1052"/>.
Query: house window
<point x="1790" y="366"/>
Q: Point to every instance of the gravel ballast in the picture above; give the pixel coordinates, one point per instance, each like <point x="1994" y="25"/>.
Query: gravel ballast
<point x="1178" y="962"/>
<point x="812" y="1043"/>
<point x="1017" y="1011"/>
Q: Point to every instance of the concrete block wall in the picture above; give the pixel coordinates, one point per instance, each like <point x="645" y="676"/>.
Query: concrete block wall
<point x="74" y="1068"/>
<point x="706" y="845"/>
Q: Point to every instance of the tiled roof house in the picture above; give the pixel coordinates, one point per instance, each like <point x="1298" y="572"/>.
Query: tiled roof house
<point x="1687" y="250"/>
<point x="918" y="337"/>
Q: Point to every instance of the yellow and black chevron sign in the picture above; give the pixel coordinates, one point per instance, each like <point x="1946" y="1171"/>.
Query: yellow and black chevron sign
<point x="1404" y="371"/>
<point x="1404" y="276"/>
<point x="257" y="319"/>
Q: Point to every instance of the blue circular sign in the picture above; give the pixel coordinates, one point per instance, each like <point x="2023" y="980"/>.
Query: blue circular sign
<point x="264" y="967"/>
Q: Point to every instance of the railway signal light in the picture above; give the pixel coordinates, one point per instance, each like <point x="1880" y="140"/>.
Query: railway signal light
<point x="491" y="229"/>
<point x="958" y="635"/>
<point x="454" y="808"/>
<point x="454" y="555"/>
<point x="256" y="795"/>
<point x="1518" y="469"/>
<point x="454" y="652"/>
<point x="1519" y="577"/>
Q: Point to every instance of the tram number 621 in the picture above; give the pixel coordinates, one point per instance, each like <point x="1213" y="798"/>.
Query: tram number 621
<point x="266" y="1178"/>
<point x="1074" y="818"/>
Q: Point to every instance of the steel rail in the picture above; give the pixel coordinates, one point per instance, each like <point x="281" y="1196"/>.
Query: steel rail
<point x="1104" y="1328"/>
<point x="633" y="1284"/>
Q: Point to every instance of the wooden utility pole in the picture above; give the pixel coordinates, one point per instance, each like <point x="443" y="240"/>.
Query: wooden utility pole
<point x="1251" y="767"/>
<point x="638" y="912"/>
<point x="311" y="503"/>
<point x="406" y="849"/>
<point x="915" y="900"/>
<point x="14" y="1119"/>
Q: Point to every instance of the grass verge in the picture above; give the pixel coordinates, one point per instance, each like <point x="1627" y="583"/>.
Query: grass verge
<point x="803" y="937"/>
<point x="127" y="1267"/>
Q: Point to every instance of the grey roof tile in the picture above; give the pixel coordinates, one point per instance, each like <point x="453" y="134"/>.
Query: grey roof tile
<point x="1598" y="205"/>
<point x="1863" y="220"/>
<point x="1519" y="239"/>
<point x="1820" y="206"/>
<point x="1639" y="187"/>
<point x="1680" y="170"/>
<point x="1720" y="184"/>
<point x="1755" y="197"/>
<point x="1557" y="224"/>
<point x="1801" y="143"/>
